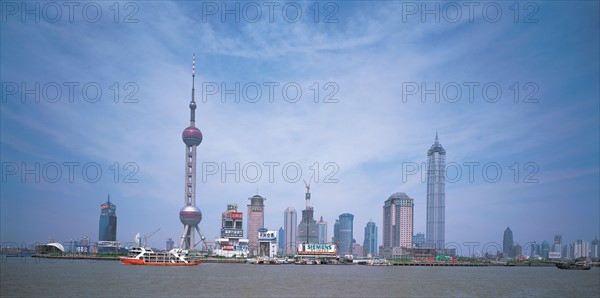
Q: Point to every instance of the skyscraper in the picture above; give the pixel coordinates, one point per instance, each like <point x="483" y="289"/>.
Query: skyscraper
<point x="436" y="195"/>
<point x="398" y="219"/>
<point x="280" y="241"/>
<point x="170" y="244"/>
<point x="290" y="221"/>
<point x="256" y="221"/>
<point x="370" y="243"/>
<point x="322" y="227"/>
<point x="307" y="229"/>
<point x="346" y="234"/>
<point x="557" y="243"/>
<point x="108" y="222"/>
<point x="336" y="233"/>
<point x="507" y="243"/>
<point x="190" y="216"/>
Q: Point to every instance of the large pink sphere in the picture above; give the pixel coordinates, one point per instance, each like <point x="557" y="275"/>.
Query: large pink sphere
<point x="192" y="136"/>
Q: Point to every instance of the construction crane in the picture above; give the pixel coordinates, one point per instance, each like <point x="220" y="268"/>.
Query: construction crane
<point x="148" y="236"/>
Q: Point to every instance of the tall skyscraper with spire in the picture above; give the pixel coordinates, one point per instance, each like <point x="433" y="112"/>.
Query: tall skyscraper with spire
<point x="436" y="195"/>
<point x="307" y="229"/>
<point x="190" y="216"/>
<point x="507" y="243"/>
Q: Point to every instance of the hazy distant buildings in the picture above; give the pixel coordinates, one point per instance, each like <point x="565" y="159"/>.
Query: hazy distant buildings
<point x="346" y="234"/>
<point x="557" y="243"/>
<point x="290" y="220"/>
<point x="322" y="228"/>
<point x="170" y="244"/>
<point x="108" y="222"/>
<point x="357" y="249"/>
<point x="595" y="249"/>
<point x="419" y="240"/>
<point x="579" y="249"/>
<point x="507" y="243"/>
<point x="370" y="245"/>
<point x="398" y="219"/>
<point x="436" y="195"/>
<point x="545" y="252"/>
<point x="256" y="221"/>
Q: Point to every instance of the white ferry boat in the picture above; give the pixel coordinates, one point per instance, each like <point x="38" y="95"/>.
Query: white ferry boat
<point x="146" y="256"/>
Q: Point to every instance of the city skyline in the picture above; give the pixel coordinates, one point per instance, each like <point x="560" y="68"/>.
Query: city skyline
<point x="365" y="134"/>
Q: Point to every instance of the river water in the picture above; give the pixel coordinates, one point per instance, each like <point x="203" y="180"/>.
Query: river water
<point x="83" y="278"/>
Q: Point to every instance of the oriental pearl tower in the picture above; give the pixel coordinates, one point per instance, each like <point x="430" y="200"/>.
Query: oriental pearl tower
<point x="190" y="215"/>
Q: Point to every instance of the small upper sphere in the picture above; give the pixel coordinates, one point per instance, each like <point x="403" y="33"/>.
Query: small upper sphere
<point x="192" y="136"/>
<point x="193" y="105"/>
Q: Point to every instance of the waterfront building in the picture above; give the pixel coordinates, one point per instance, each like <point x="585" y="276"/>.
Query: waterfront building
<point x="267" y="243"/>
<point x="419" y="240"/>
<point x="290" y="221"/>
<point x="507" y="242"/>
<point x="256" y="221"/>
<point x="370" y="245"/>
<point x="108" y="223"/>
<point x="190" y="216"/>
<point x="307" y="229"/>
<point x="170" y="244"/>
<point x="398" y="219"/>
<point x="322" y="228"/>
<point x="346" y="234"/>
<point x="436" y="195"/>
<point x="232" y="242"/>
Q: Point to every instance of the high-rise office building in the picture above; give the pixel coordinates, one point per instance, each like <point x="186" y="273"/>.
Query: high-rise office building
<point x="290" y="221"/>
<point x="398" y="219"/>
<point x="346" y="234"/>
<point x="256" y="221"/>
<point x="307" y="229"/>
<point x="190" y="216"/>
<point x="507" y="242"/>
<point x="370" y="245"/>
<point x="108" y="222"/>
<point x="280" y="241"/>
<point x="322" y="228"/>
<point x="436" y="195"/>
<point x="336" y="232"/>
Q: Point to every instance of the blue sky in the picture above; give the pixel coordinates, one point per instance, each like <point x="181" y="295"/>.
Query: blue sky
<point x="366" y="56"/>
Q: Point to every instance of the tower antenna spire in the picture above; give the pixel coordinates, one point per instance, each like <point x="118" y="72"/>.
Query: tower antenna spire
<point x="193" y="74"/>
<point x="193" y="102"/>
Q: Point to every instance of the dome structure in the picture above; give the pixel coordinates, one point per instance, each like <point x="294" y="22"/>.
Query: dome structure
<point x="192" y="136"/>
<point x="190" y="215"/>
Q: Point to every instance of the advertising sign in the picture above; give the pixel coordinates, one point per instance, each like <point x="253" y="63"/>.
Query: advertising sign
<point x="232" y="233"/>
<point x="554" y="255"/>
<point x="317" y="249"/>
<point x="234" y="215"/>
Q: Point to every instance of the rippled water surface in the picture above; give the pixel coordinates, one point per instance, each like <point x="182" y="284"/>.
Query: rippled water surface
<point x="35" y="277"/>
